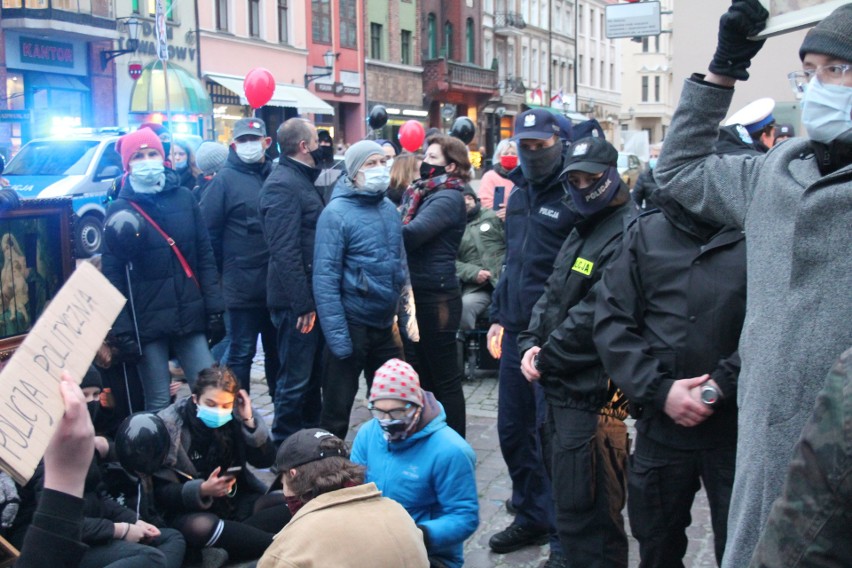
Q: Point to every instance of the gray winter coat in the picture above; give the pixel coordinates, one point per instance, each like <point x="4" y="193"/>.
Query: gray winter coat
<point x="798" y="227"/>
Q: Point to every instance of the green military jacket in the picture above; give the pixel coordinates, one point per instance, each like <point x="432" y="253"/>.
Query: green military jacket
<point x="483" y="247"/>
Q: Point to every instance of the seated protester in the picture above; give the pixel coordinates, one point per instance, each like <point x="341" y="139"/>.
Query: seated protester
<point x="480" y="259"/>
<point x="115" y="534"/>
<point x="205" y="489"/>
<point x="410" y="433"/>
<point x="338" y="520"/>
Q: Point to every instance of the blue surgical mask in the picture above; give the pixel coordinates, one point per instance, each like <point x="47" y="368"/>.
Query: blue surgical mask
<point x="826" y="111"/>
<point x="180" y="164"/>
<point x="214" y="417"/>
<point x="652" y="163"/>
<point x="146" y="176"/>
<point x="376" y="180"/>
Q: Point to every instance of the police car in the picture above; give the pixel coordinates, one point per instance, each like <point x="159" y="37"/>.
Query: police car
<point x="82" y="166"/>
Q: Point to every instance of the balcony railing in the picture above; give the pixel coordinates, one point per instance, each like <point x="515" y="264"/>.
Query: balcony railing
<point x="98" y="13"/>
<point x="470" y="76"/>
<point x="509" y="22"/>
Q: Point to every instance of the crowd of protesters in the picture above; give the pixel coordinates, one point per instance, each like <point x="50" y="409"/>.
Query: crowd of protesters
<point x="709" y="306"/>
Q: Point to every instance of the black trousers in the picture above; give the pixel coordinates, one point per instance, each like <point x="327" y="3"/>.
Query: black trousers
<point x="588" y="469"/>
<point x="662" y="484"/>
<point x="437" y="355"/>
<point x="371" y="347"/>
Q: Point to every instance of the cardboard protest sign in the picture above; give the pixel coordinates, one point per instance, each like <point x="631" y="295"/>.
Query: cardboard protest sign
<point x="789" y="15"/>
<point x="65" y="338"/>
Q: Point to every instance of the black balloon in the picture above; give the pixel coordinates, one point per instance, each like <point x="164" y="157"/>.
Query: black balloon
<point x="378" y="117"/>
<point x="124" y="233"/>
<point x="463" y="129"/>
<point x="142" y="443"/>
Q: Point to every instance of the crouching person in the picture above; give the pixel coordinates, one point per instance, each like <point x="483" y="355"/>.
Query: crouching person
<point x="338" y="520"/>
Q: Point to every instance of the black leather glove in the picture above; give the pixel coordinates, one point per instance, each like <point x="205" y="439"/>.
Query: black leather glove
<point x="734" y="51"/>
<point x="215" y="329"/>
<point x="127" y="349"/>
<point x="9" y="199"/>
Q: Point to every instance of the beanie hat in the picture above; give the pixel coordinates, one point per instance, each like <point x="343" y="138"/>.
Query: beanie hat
<point x="210" y="156"/>
<point x="398" y="380"/>
<point x="92" y="378"/>
<point x="358" y="153"/>
<point x="129" y="144"/>
<point x="324" y="137"/>
<point x="468" y="190"/>
<point x="158" y="128"/>
<point x="832" y="36"/>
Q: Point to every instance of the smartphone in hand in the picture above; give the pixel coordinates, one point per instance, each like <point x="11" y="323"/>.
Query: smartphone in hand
<point x="499" y="195"/>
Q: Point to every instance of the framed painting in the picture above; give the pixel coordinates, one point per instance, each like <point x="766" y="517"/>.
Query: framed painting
<point x="788" y="15"/>
<point x="36" y="257"/>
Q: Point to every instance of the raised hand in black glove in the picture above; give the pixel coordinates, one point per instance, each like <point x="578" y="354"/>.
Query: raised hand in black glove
<point x="127" y="349"/>
<point x="215" y="329"/>
<point x="734" y="51"/>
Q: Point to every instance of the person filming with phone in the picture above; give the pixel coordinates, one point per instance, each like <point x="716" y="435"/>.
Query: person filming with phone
<point x="205" y="489"/>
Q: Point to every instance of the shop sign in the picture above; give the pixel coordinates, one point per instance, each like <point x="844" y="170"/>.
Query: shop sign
<point x="339" y="89"/>
<point x="45" y="52"/>
<point x="15" y="115"/>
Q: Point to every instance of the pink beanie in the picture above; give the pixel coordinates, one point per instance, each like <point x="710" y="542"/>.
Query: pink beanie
<point x="129" y="144"/>
<point x="397" y="380"/>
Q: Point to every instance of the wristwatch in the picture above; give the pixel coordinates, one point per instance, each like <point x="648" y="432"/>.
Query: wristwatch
<point x="709" y="395"/>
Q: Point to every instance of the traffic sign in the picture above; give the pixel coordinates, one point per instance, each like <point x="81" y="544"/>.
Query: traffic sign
<point x="633" y="20"/>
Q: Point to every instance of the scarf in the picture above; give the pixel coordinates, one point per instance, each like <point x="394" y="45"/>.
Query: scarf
<point x="422" y="188"/>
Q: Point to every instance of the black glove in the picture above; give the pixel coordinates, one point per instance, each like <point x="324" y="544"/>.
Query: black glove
<point x="215" y="329"/>
<point x="9" y="199"/>
<point x="734" y="51"/>
<point x="127" y="349"/>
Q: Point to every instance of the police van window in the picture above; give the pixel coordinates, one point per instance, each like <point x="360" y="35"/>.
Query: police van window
<point x="109" y="162"/>
<point x="53" y="158"/>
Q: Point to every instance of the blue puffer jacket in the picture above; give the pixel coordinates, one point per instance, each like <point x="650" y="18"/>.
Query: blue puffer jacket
<point x="359" y="264"/>
<point x="431" y="474"/>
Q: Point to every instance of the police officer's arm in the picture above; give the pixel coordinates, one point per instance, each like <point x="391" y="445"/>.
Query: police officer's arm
<point x="570" y="347"/>
<point x="625" y="353"/>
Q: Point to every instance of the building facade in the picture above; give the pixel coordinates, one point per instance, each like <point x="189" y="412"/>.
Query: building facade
<point x="51" y="79"/>
<point x="598" y="90"/>
<point x="393" y="62"/>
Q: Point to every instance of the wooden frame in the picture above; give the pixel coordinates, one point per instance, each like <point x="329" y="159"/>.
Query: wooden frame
<point x="36" y="257"/>
<point x="789" y="15"/>
<point x="8" y="553"/>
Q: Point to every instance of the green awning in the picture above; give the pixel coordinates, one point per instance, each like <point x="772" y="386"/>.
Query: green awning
<point x="186" y="93"/>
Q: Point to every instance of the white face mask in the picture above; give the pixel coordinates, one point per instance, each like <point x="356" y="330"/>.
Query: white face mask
<point x="250" y="152"/>
<point x="826" y="111"/>
<point x="376" y="180"/>
<point x="147" y="176"/>
<point x="390" y="163"/>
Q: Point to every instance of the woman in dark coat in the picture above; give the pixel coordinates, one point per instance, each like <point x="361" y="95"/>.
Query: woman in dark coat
<point x="173" y="291"/>
<point x="434" y="220"/>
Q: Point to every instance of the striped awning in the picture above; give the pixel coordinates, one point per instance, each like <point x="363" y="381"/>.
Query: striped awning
<point x="186" y="93"/>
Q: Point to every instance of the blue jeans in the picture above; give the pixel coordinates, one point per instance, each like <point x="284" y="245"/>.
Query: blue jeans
<point x="297" y="397"/>
<point x="246" y="325"/>
<point x="520" y="417"/>
<point x="192" y="353"/>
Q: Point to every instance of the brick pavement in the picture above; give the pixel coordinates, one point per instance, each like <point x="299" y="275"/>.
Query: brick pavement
<point x="494" y="485"/>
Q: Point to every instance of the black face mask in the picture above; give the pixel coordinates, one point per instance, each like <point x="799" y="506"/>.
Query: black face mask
<point x="428" y="171"/>
<point x="323" y="157"/>
<point x="93" y="406"/>
<point x="540" y="166"/>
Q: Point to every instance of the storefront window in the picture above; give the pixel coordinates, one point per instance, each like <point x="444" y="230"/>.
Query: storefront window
<point x="13" y="3"/>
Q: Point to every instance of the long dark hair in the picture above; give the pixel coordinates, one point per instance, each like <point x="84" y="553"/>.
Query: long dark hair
<point x="217" y="378"/>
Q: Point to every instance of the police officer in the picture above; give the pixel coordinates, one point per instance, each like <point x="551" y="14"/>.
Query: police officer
<point x="758" y="121"/>
<point x="585" y="437"/>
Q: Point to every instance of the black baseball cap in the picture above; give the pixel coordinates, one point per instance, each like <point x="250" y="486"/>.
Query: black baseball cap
<point x="592" y="155"/>
<point x="304" y="447"/>
<point x="538" y="124"/>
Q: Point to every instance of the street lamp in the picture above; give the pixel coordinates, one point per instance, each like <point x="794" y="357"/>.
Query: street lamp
<point x="329" y="58"/>
<point x="132" y="26"/>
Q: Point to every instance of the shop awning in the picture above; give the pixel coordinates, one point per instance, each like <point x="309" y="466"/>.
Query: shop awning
<point x="285" y="95"/>
<point x="186" y="93"/>
<point x="51" y="81"/>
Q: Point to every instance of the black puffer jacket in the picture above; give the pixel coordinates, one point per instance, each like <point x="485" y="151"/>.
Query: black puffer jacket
<point x="538" y="220"/>
<point x="432" y="240"/>
<point x="671" y="307"/>
<point x="229" y="204"/>
<point x="563" y="318"/>
<point x="290" y="205"/>
<point x="167" y="302"/>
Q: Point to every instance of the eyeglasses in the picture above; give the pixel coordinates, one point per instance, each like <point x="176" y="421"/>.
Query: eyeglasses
<point x="837" y="74"/>
<point x="392" y="413"/>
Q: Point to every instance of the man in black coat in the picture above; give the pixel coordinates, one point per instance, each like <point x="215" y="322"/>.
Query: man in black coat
<point x="290" y="205"/>
<point x="584" y="438"/>
<point x="229" y="205"/>
<point x="669" y="314"/>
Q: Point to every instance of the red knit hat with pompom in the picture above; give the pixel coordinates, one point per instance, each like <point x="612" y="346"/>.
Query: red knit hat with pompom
<point x="129" y="144"/>
<point x="397" y="380"/>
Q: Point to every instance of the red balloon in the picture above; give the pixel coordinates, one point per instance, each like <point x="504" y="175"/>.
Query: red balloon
<point x="411" y="135"/>
<point x="259" y="85"/>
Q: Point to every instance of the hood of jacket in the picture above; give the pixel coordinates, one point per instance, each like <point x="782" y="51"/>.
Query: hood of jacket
<point x="687" y="222"/>
<point x="345" y="189"/>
